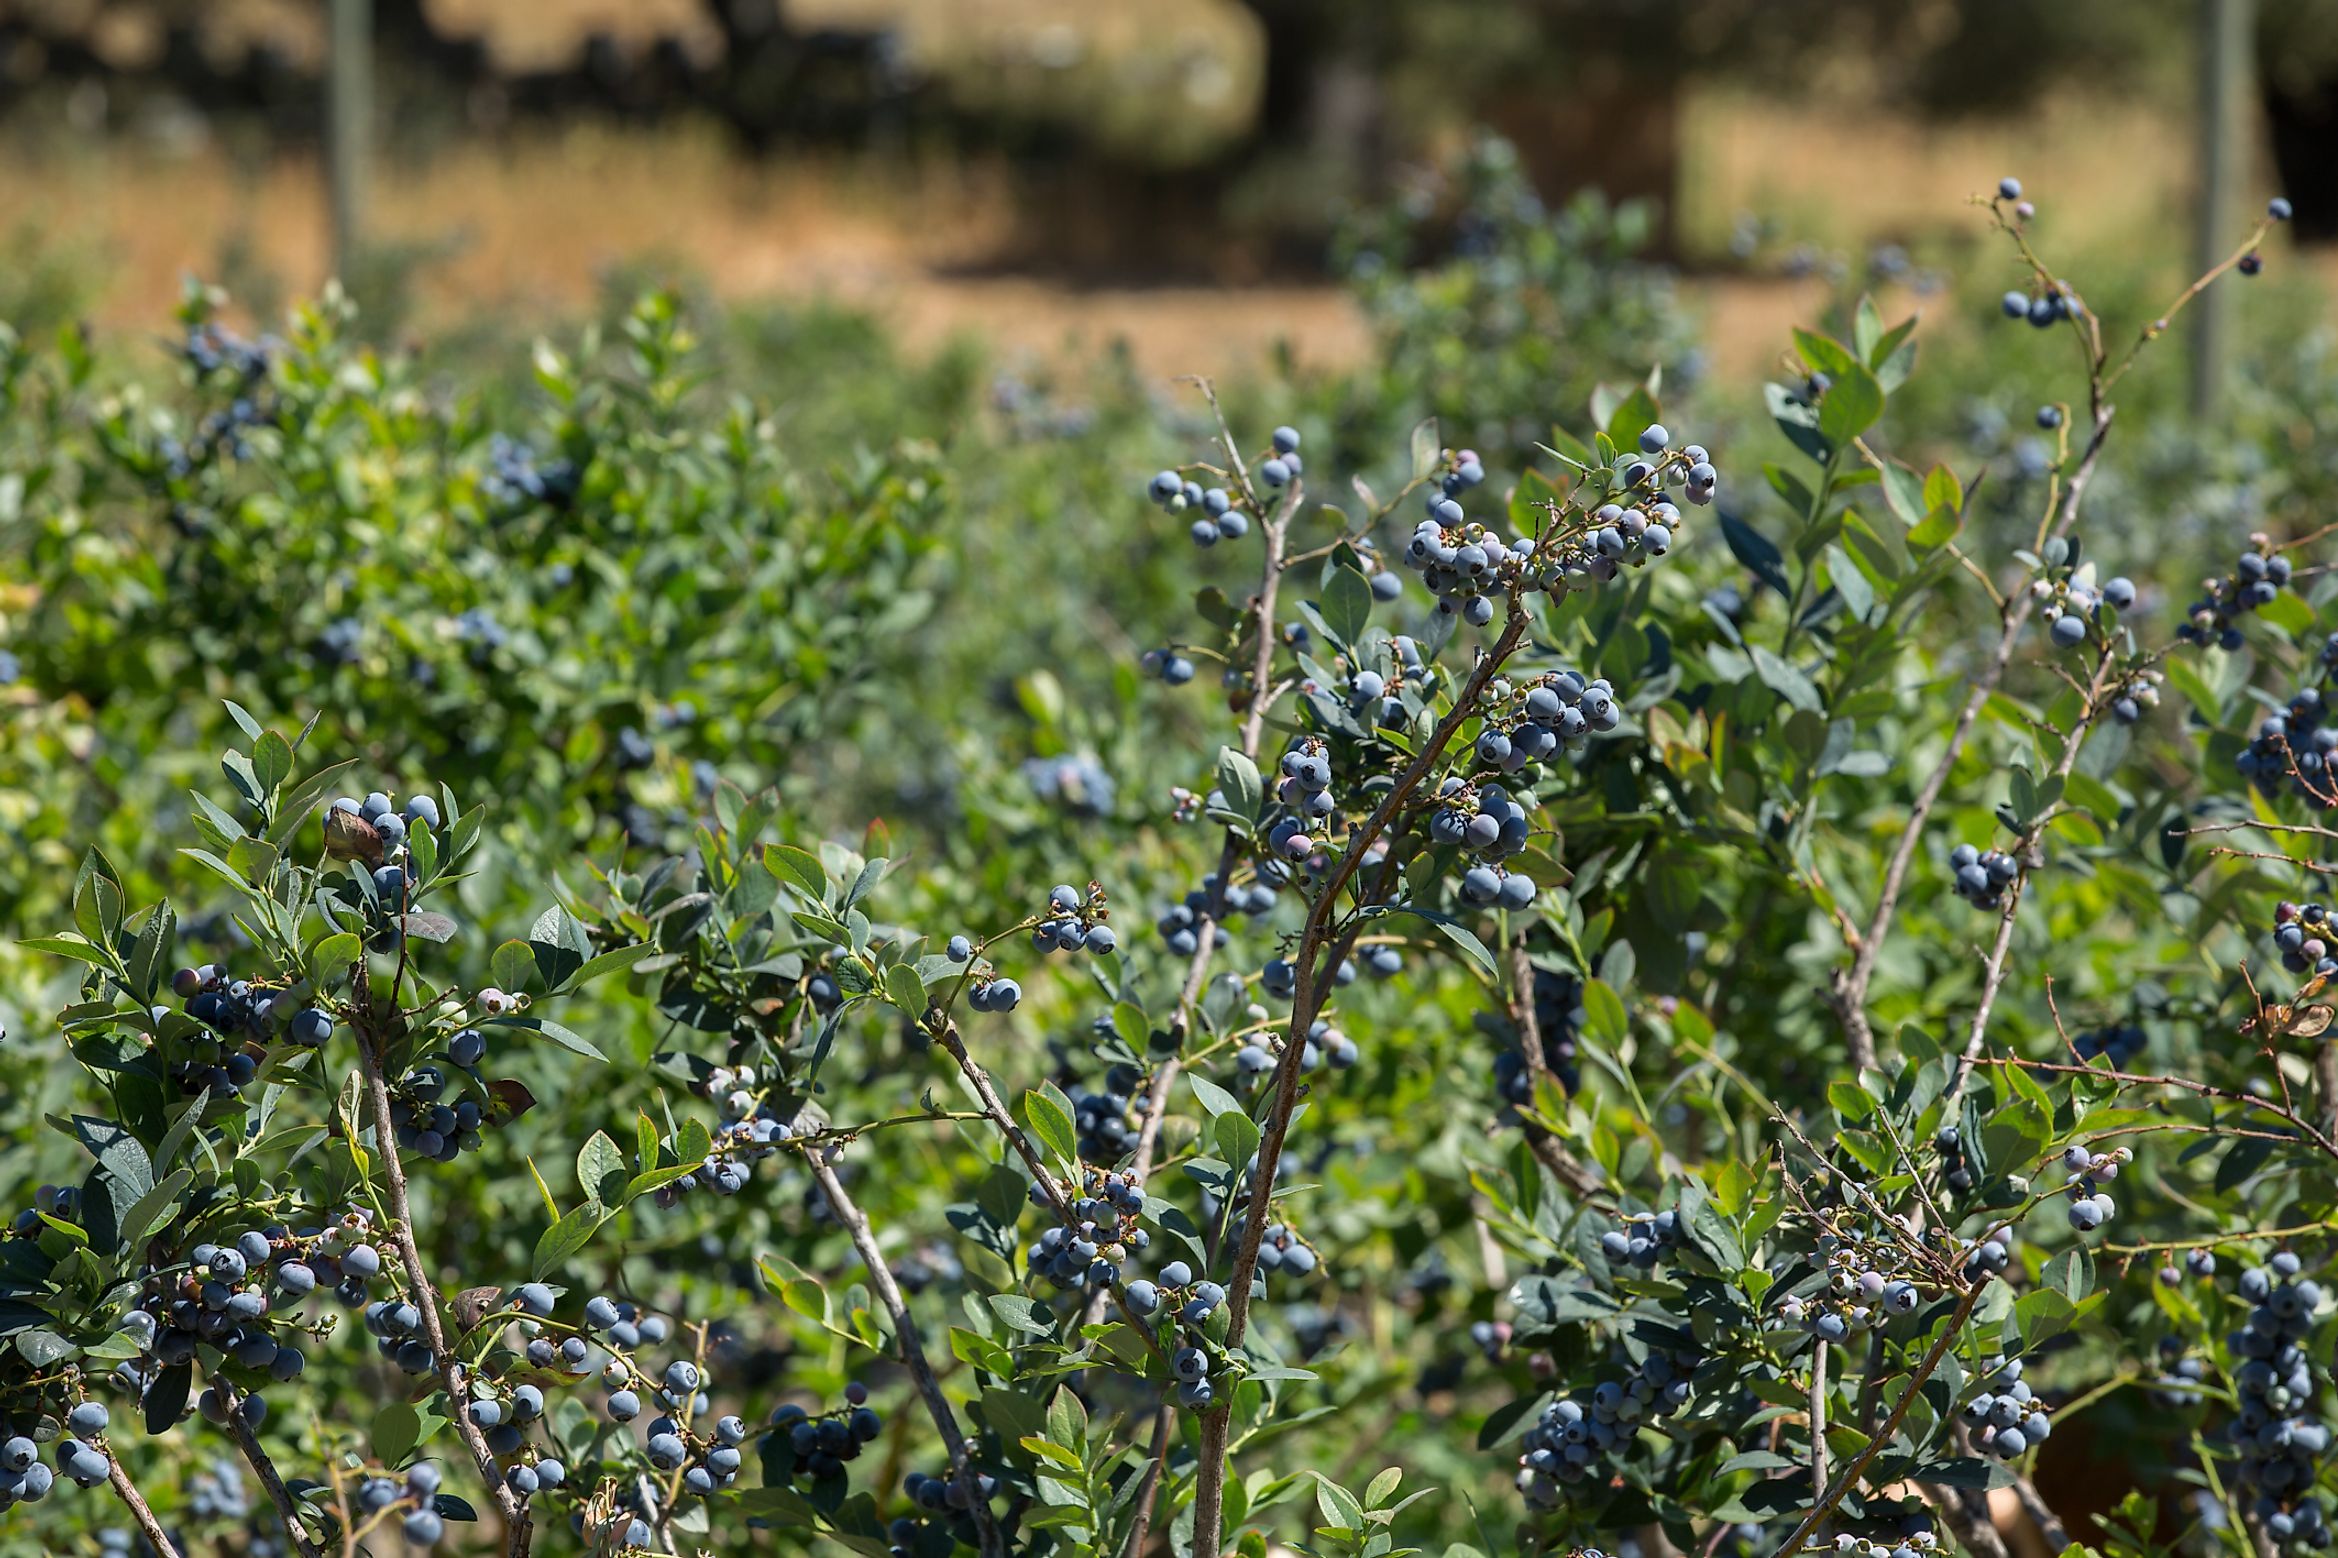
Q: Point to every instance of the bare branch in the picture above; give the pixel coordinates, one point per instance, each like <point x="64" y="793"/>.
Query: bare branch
<point x="135" y="1502"/>
<point x="855" y="1223"/>
<point x="424" y="1291"/>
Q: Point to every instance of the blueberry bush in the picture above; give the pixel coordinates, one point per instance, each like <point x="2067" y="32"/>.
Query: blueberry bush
<point x="1684" y="1001"/>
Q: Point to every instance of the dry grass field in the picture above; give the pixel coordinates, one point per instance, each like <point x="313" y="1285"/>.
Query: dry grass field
<point x="526" y="226"/>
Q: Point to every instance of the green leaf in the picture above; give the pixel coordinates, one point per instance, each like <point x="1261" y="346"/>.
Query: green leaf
<point x="397" y="1428"/>
<point x="70" y="946"/>
<point x="564" y="1238"/>
<point x="1603" y="1013"/>
<point x="549" y="1029"/>
<point x="1850" y="405"/>
<point x="1784" y="680"/>
<point x="1427" y="451"/>
<point x="1049" y="1120"/>
<point x="1239" y="783"/>
<point x="1459" y="934"/>
<point x="799" y="868"/>
<point x="600" y="1170"/>
<point x="1214" y="1099"/>
<point x="514" y="965"/>
<point x="331" y="959"/>
<point x="272" y="760"/>
<point x="614" y="961"/>
<point x="905" y="990"/>
<point x="1936" y="530"/>
<point x="1347" y="604"/>
<point x="1903" y="493"/>
<point x="1339" y="1507"/>
<point x="1756" y="552"/>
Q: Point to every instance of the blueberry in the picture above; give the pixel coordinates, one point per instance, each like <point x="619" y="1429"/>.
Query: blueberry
<point x="2009" y="189"/>
<point x="960" y="950"/>
<point x="1654" y="438"/>
<point x="1274" y="472"/>
<point x="2017" y="305"/>
<point x="2068" y="631"/>
<point x="624" y="1406"/>
<point x="87" y="1419"/>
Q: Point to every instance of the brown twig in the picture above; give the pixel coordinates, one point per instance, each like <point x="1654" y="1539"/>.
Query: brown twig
<point x="1820" y="1511"/>
<point x="1547" y="1148"/>
<point x="425" y="1292"/>
<point x="855" y="1223"/>
<point x="256" y="1455"/>
<point x="1210" y="1478"/>
<point x="1157" y="1461"/>
<point x="135" y="1502"/>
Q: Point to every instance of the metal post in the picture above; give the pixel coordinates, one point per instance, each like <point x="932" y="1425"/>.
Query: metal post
<point x="348" y="125"/>
<point x="2227" y="38"/>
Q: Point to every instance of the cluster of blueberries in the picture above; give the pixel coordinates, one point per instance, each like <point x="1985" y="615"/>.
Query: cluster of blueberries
<point x="515" y="480"/>
<point x="2007" y="1418"/>
<point x="1304" y="789"/>
<point x="1193" y="1301"/>
<point x="751" y="1131"/>
<point x="1464" y="563"/>
<point x="2197" y="1263"/>
<point x="1217" y="515"/>
<point x="2121" y="1042"/>
<point x="2257" y="579"/>
<point x="1643" y="1240"/>
<point x="1077" y="785"/>
<point x="1076" y="922"/>
<point x="228" y="1294"/>
<point x="1485" y="820"/>
<point x="1179" y="924"/>
<point x="1915" y="1538"/>
<point x="1089" y="1252"/>
<point x="1108" y="1118"/>
<point x="436" y="1130"/>
<point x="2181" y="1375"/>
<point x="389" y="824"/>
<point x="2294" y="750"/>
<point x="1982" y="875"/>
<point x="1167" y="664"/>
<point x="24" y="1479"/>
<point x="1956" y="1170"/>
<point x="1559" y="711"/>
<point x="951" y="1500"/>
<point x="2137" y="692"/>
<point x="1256" y="1060"/>
<point x="1989" y="1255"/>
<point x="238" y="1013"/>
<point x="2281" y="1443"/>
<point x="2091" y="1206"/>
<point x="2045" y="309"/>
<point x="708" y="1461"/>
<point x="2302" y="934"/>
<point x="1558" y="1018"/>
<point x="1854" y="1297"/>
<point x="411" y="1500"/>
<point x="2070" y="605"/>
<point x="1567" y="1443"/>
